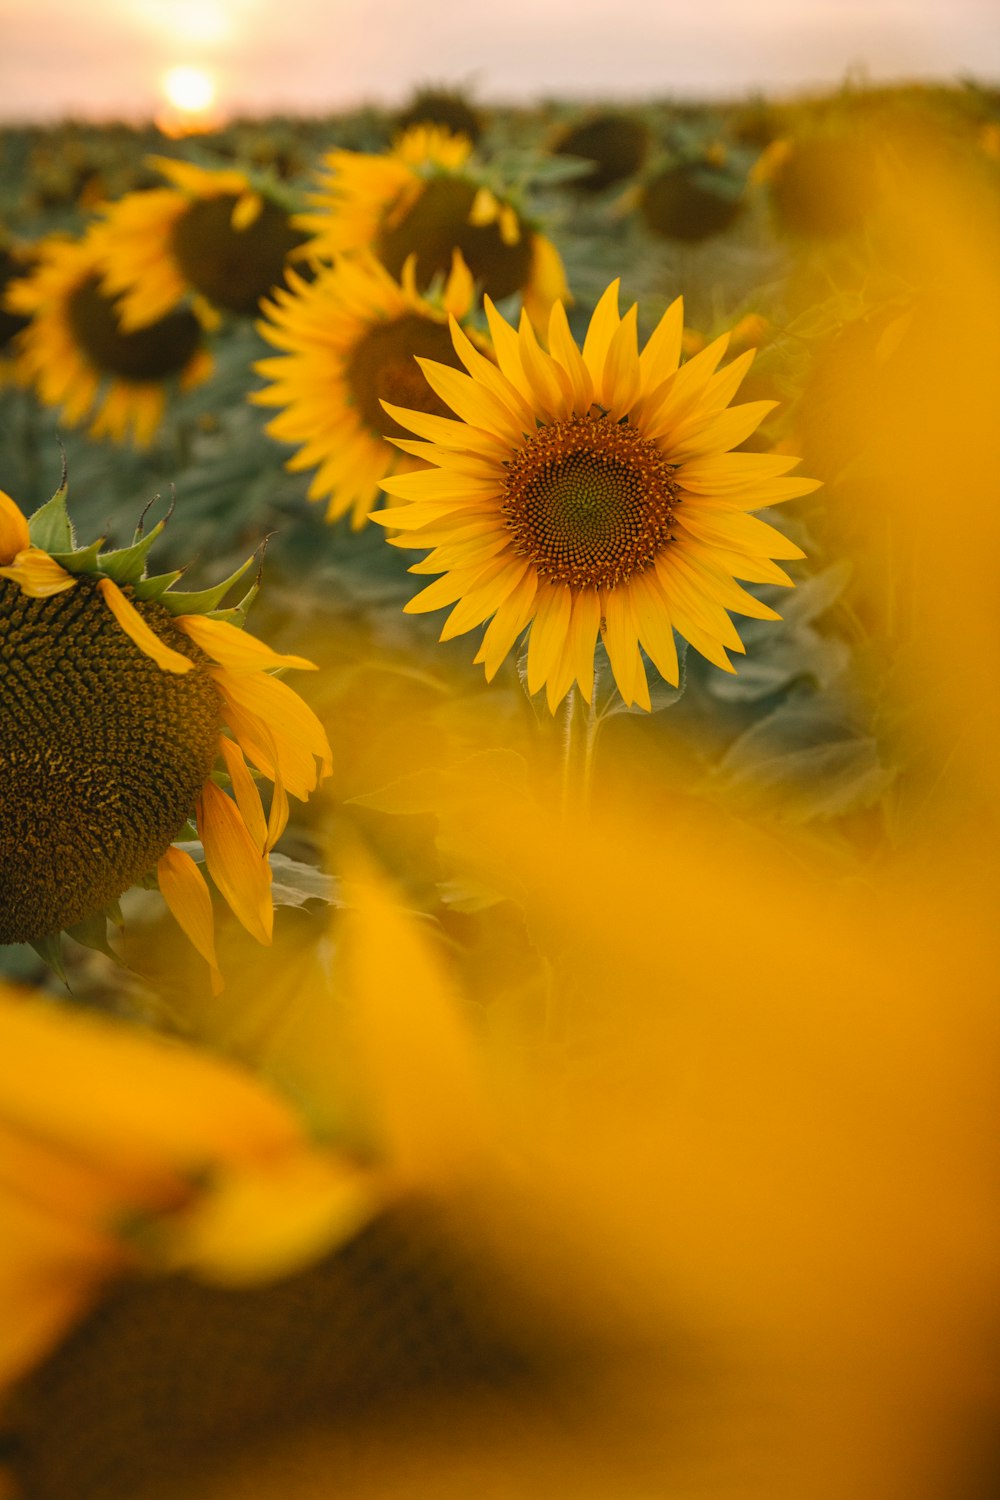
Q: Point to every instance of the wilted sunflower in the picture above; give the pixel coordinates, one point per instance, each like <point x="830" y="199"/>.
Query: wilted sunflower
<point x="212" y="235"/>
<point x="428" y="198"/>
<point x="350" y="338"/>
<point x="78" y="354"/>
<point x="592" y="494"/>
<point x="121" y="697"/>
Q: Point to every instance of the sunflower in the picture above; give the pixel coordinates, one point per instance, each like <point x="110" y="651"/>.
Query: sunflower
<point x="427" y="198"/>
<point x="15" y="262"/>
<point x="349" y="339"/>
<point x="614" y="144"/>
<point x="592" y="495"/>
<point x="79" y="356"/>
<point x="125" y="703"/>
<point x="211" y="236"/>
<point x="821" y="186"/>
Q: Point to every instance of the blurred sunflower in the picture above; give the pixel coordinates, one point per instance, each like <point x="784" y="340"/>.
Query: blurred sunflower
<point x="117" y="690"/>
<point x="211" y="235"/>
<point x="349" y="340"/>
<point x="428" y="198"/>
<point x="695" y="199"/>
<point x="78" y="354"/>
<point x="15" y="261"/>
<point x="450" y="109"/>
<point x="592" y="494"/>
<point x="133" y="1158"/>
<point x="615" y="144"/>
<point x="822" y="185"/>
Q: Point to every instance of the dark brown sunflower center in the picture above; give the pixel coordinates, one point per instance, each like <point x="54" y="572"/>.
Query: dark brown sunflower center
<point x="233" y="268"/>
<point x="589" y="502"/>
<point x="438" y="223"/>
<point x="382" y="367"/>
<point x="152" y="353"/>
<point x="102" y="755"/>
<point x="10" y="323"/>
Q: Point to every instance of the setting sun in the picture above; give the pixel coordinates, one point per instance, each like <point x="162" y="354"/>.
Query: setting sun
<point x="191" y="90"/>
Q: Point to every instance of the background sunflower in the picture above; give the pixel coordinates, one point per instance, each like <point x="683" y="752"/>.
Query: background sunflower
<point x="350" y="339"/>
<point x="79" y="356"/>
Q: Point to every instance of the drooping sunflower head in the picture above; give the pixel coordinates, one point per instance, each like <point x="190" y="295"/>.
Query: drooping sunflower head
<point x="121" y="698"/>
<point x="349" y="341"/>
<point x="213" y="236"/>
<point x="615" y="144"/>
<point x="449" y="109"/>
<point x="693" y="200"/>
<point x="821" y="186"/>
<point x="589" y="495"/>
<point x="427" y="199"/>
<point x="78" y="354"/>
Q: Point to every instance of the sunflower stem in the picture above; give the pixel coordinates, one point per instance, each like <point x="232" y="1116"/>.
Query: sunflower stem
<point x="580" y="727"/>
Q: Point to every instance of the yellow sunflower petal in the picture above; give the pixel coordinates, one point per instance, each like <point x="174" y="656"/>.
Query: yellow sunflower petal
<point x="37" y="574"/>
<point x="549" y="630"/>
<point x="138" y="631"/>
<point x="661" y="353"/>
<point x="183" y="888"/>
<point x="246" y="793"/>
<point x="14" y="537"/>
<point x="584" y="629"/>
<point x="237" y="866"/>
<point x="233" y="648"/>
<point x="601" y="331"/>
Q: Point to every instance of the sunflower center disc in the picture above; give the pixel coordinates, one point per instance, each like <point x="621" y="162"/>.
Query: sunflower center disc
<point x="438" y="223"/>
<point x="152" y="353"/>
<point x="102" y="755"/>
<point x="381" y="367"/>
<point x="589" y="501"/>
<point x="233" y="268"/>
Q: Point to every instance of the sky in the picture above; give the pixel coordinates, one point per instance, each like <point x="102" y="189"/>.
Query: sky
<point x="106" y="58"/>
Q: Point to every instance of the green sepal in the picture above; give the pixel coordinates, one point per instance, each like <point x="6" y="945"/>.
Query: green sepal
<point x="49" y="950"/>
<point x="128" y="564"/>
<point x="83" y="560"/>
<point x="50" y="528"/>
<point x="205" y="601"/>
<point x="238" y="614"/>
<point x="92" y="932"/>
<point x="156" y="586"/>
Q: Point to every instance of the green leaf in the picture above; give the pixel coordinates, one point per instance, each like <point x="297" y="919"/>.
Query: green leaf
<point x="128" y="564"/>
<point x="296" y="884"/>
<point x="810" y="758"/>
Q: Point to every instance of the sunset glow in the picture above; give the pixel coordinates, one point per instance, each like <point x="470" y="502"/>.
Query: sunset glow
<point x="190" y="90"/>
<point x="190" y="107"/>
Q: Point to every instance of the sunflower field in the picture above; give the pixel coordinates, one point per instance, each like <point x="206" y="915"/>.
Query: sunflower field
<point x="498" y="818"/>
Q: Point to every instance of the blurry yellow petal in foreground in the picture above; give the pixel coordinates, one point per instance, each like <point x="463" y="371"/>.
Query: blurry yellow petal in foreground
<point x="269" y="1222"/>
<point x="148" y="1113"/>
<point x="414" y="1051"/>
<point x="100" y="1122"/>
